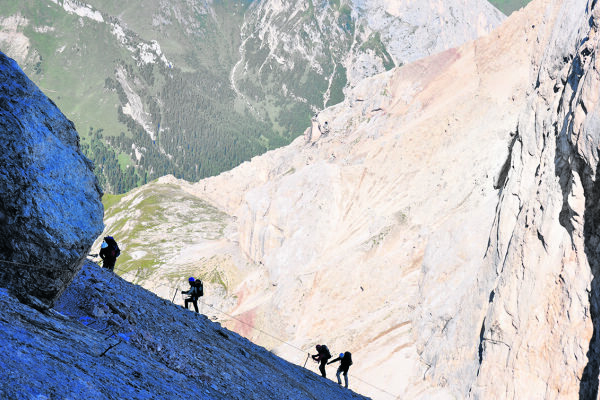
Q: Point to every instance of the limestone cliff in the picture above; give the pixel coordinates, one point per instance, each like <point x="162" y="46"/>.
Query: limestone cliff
<point x="440" y="223"/>
<point x="541" y="266"/>
<point x="50" y="208"/>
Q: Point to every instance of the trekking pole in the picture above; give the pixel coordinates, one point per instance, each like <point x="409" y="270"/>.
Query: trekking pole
<point x="305" y="361"/>
<point x="175" y="294"/>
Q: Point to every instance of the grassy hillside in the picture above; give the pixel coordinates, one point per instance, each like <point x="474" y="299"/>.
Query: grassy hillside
<point x="137" y="218"/>
<point x="509" y="6"/>
<point x="143" y="110"/>
<point x="304" y="63"/>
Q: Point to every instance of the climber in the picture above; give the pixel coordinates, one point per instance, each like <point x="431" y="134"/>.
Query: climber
<point x="322" y="356"/>
<point x="345" y="360"/>
<point x="109" y="252"/>
<point x="196" y="290"/>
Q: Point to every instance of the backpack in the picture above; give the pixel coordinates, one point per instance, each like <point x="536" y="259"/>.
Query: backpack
<point x="348" y="358"/>
<point x="325" y="352"/>
<point x="112" y="243"/>
<point x="197" y="288"/>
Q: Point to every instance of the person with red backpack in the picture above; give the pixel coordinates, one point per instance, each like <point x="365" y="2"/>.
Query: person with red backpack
<point x="109" y="252"/>
<point x="345" y="360"/>
<point x="322" y="356"/>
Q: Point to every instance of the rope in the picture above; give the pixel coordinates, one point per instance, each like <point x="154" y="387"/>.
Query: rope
<point x="252" y="327"/>
<point x="169" y="288"/>
<point x="15" y="263"/>
<point x="297" y="348"/>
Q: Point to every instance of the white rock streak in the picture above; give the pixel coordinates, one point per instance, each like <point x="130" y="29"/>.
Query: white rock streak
<point x="81" y="9"/>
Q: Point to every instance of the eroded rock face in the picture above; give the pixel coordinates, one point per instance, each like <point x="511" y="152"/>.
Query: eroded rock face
<point x="462" y="199"/>
<point x="50" y="201"/>
<point x="445" y="229"/>
<point x="530" y="300"/>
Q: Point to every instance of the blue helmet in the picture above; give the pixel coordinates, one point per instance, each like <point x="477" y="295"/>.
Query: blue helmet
<point x="191" y="279"/>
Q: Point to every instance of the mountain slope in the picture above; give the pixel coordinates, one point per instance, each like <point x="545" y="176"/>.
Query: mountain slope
<point x="107" y="338"/>
<point x="142" y="113"/>
<point x="439" y="223"/>
<point x="160" y="88"/>
<point x="311" y="52"/>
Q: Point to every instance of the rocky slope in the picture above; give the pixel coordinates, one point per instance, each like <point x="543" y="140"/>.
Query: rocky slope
<point x="440" y="223"/>
<point x="50" y="209"/>
<point x="109" y="339"/>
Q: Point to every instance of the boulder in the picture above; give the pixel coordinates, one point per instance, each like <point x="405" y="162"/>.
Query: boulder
<point x="50" y="200"/>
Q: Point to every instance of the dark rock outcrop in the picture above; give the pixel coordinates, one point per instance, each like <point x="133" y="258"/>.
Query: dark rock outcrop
<point x="50" y="201"/>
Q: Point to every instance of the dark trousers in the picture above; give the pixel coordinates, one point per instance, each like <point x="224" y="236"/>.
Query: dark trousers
<point x="322" y="368"/>
<point x="192" y="300"/>
<point x="109" y="264"/>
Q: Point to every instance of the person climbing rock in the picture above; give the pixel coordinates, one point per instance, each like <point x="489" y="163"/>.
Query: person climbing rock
<point x="109" y="252"/>
<point x="345" y="360"/>
<point x="196" y="291"/>
<point x="322" y="356"/>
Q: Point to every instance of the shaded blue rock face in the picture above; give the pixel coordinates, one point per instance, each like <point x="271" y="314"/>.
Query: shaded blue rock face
<point x="50" y="200"/>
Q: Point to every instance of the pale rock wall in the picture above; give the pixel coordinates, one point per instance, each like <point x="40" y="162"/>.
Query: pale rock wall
<point x="544" y="247"/>
<point x="429" y="26"/>
<point x="444" y="230"/>
<point x="528" y="299"/>
<point x="429" y="231"/>
<point x="353" y="226"/>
